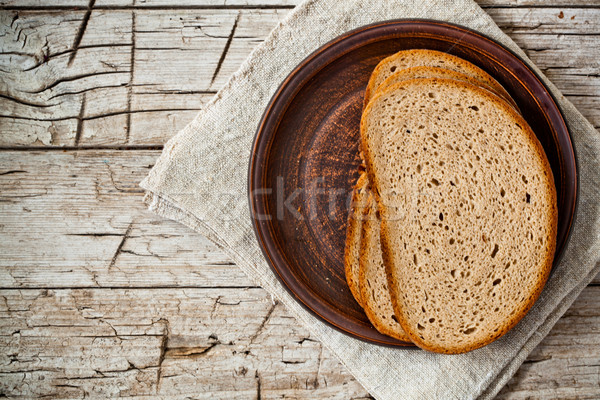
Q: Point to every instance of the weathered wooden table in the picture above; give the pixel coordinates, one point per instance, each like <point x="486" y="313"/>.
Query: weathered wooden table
<point x="101" y="298"/>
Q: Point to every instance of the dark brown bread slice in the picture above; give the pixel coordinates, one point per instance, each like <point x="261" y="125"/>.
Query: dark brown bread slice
<point x="353" y="235"/>
<point x="430" y="58"/>
<point x="468" y="210"/>
<point x="374" y="290"/>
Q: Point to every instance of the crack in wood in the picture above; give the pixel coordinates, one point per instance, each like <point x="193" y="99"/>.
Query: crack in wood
<point x="73" y="78"/>
<point x="80" y="121"/>
<point x="14" y="171"/>
<point x="65" y="149"/>
<point x="163" y="351"/>
<point x="14" y="199"/>
<point x="190" y="352"/>
<point x="80" y="32"/>
<point x="258" y="385"/>
<point x="85" y="378"/>
<point x="214" y="306"/>
<point x="14" y="19"/>
<point x="25" y="37"/>
<point x="199" y="27"/>
<point x="19" y="371"/>
<point x="26" y="103"/>
<point x="93" y="117"/>
<point x="233" y="303"/>
<point x="120" y="189"/>
<point x="264" y="321"/>
<point x="120" y="247"/>
<point x="65" y="385"/>
<point x="47" y="57"/>
<point x="301" y="342"/>
<point x="15" y="53"/>
<point x="132" y="252"/>
<point x="109" y="65"/>
<point x="107" y="323"/>
<point x="224" y="263"/>
<point x="135" y="254"/>
<point x="131" y="77"/>
<point x="98" y="336"/>
<point x="93" y="234"/>
<point x="176" y="91"/>
<point x="86" y="90"/>
<point x="537" y="360"/>
<point x="226" y="49"/>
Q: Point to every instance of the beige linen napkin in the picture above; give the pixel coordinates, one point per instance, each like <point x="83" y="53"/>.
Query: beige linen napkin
<point x="200" y="180"/>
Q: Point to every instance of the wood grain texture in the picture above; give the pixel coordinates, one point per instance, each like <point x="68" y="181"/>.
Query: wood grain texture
<point x="164" y="342"/>
<point x="91" y="227"/>
<point x="45" y="101"/>
<point x="161" y="343"/>
<point x="79" y="252"/>
<point x="147" y="92"/>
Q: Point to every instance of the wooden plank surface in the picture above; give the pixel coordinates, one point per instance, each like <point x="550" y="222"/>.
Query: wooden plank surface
<point x="164" y="343"/>
<point x="99" y="297"/>
<point x="94" y="209"/>
<point x="168" y="342"/>
<point x="54" y="95"/>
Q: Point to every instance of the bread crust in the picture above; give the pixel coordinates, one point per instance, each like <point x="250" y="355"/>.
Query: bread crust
<point x="354" y="230"/>
<point x="482" y="76"/>
<point x="441" y="73"/>
<point x="369" y="221"/>
<point x="544" y="269"/>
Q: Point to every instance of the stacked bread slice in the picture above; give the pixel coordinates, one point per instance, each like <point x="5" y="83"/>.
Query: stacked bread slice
<point x="452" y="227"/>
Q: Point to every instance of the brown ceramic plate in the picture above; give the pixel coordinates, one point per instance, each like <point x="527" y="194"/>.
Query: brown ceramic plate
<point x="305" y="156"/>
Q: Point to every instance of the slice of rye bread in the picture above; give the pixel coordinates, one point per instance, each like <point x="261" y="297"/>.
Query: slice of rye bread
<point x="435" y="72"/>
<point x="360" y="194"/>
<point x="468" y="210"/>
<point x="374" y="291"/>
<point x="429" y="58"/>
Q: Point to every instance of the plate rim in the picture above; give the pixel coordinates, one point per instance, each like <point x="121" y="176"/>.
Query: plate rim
<point x="260" y="148"/>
